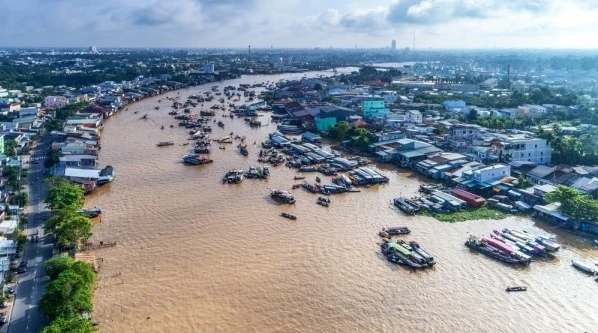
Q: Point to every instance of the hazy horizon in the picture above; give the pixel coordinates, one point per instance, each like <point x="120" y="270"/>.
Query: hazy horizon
<point x="301" y="24"/>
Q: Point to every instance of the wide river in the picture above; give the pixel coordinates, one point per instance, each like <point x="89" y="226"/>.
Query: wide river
<point x="195" y="255"/>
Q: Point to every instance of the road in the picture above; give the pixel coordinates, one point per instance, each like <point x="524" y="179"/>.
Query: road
<point x="30" y="286"/>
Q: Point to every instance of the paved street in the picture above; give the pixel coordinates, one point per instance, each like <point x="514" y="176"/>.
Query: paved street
<point x="30" y="287"/>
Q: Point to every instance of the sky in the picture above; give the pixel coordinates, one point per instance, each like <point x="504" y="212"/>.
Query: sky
<point x="434" y="24"/>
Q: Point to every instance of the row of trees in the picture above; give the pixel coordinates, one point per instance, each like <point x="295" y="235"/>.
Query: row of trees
<point x="69" y="292"/>
<point x="575" y="204"/>
<point x="68" y="295"/>
<point x="569" y="149"/>
<point x="69" y="227"/>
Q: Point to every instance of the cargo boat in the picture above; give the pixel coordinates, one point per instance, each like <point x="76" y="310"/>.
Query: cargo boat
<point x="473" y="243"/>
<point x="394" y="231"/>
<point x="165" y="143"/>
<point x="405" y="206"/>
<point x="282" y="196"/>
<point x="196" y="159"/>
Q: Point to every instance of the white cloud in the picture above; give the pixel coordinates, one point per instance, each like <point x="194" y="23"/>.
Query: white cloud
<point x="299" y="23"/>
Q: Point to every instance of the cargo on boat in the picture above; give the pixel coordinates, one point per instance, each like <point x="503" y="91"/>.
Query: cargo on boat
<point x="474" y="243"/>
<point x="233" y="177"/>
<point x="405" y="206"/>
<point x="282" y="196"/>
<point x="196" y="159"/>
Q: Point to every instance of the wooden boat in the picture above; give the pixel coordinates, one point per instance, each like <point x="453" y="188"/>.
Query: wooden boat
<point x="299" y="178"/>
<point x="288" y="216"/>
<point x="516" y="288"/>
<point x="165" y="143"/>
<point x="322" y="203"/>
<point x="318" y="179"/>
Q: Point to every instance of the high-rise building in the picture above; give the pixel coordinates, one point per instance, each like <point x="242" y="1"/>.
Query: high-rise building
<point x="393" y="45"/>
<point x="208" y="68"/>
<point x="93" y="49"/>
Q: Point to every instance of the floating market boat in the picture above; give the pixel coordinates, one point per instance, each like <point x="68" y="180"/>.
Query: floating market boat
<point x="165" y="143"/>
<point x="196" y="159"/>
<point x="282" y="196"/>
<point x="288" y="216"/>
<point x="474" y="243"/>
<point x="233" y="177"/>
<point x="394" y="231"/>
<point x="403" y="205"/>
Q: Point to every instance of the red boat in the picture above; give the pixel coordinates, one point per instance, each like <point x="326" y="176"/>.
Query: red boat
<point x="471" y="199"/>
<point x="495" y="243"/>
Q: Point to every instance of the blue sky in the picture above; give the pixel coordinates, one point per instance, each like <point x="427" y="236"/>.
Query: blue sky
<point x="300" y="23"/>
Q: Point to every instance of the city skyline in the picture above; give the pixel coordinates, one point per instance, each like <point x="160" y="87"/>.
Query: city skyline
<point x="436" y="24"/>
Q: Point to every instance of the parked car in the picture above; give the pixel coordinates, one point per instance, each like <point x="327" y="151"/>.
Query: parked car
<point x="21" y="270"/>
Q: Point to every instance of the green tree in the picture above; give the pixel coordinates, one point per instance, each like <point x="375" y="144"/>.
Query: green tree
<point x="85" y="271"/>
<point x="73" y="231"/>
<point x="52" y="158"/>
<point x="66" y="296"/>
<point x="56" y="265"/>
<point x="21" y="199"/>
<point x="10" y="147"/>
<point x="58" y="217"/>
<point x="575" y="204"/>
<point x="65" y="196"/>
<point x="318" y="87"/>
<point x="339" y="130"/>
<point x="70" y="325"/>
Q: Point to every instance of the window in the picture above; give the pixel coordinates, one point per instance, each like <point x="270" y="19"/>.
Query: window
<point x="541" y="153"/>
<point x="529" y="154"/>
<point x="536" y="146"/>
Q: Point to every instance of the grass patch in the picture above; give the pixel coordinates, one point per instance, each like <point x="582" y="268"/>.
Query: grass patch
<point x="469" y="213"/>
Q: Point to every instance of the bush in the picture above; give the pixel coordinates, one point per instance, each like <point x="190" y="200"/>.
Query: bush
<point x="57" y="265"/>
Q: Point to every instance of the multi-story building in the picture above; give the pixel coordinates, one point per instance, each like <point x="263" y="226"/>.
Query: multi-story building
<point x="523" y="147"/>
<point x="374" y="107"/>
<point x="414" y="116"/>
<point x="491" y="173"/>
<point x="532" y="111"/>
<point x="55" y="102"/>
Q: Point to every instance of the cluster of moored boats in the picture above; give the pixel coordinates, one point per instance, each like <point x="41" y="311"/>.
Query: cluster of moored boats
<point x="406" y="253"/>
<point x="513" y="246"/>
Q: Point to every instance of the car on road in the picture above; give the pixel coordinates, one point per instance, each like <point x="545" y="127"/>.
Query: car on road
<point x="21" y="270"/>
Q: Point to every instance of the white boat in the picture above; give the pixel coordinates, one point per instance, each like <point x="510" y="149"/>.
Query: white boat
<point x="226" y="139"/>
<point x="583" y="267"/>
<point x="549" y="244"/>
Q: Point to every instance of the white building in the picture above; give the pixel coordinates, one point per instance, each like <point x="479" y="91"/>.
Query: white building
<point x="55" y="102"/>
<point x="414" y="116"/>
<point x="208" y="68"/>
<point x="522" y="147"/>
<point x="532" y="111"/>
<point x="491" y="173"/>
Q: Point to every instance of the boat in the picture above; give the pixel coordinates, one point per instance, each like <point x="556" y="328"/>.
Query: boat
<point x="282" y="196"/>
<point x="157" y="108"/>
<point x="91" y="213"/>
<point x="288" y="216"/>
<point x="516" y="288"/>
<point x="394" y="231"/>
<point x="145" y="116"/>
<point x="323" y="202"/>
<point x="196" y="159"/>
<point x="233" y="176"/>
<point x="318" y="179"/>
<point x="405" y="206"/>
<point x="221" y="124"/>
<point x="587" y="268"/>
<point x="165" y="143"/>
<point x="474" y="243"/>
<point x="298" y="178"/>
<point x="244" y="150"/>
<point x="305" y="168"/>
<point x="226" y="139"/>
<point x="427" y="257"/>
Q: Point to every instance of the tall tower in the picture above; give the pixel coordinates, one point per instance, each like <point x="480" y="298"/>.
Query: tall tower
<point x="393" y="45"/>
<point x="249" y="51"/>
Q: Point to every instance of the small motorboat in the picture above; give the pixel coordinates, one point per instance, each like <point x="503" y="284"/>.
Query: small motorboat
<point x="296" y="186"/>
<point x="516" y="288"/>
<point x="288" y="216"/>
<point x="186" y="144"/>
<point x="162" y="127"/>
<point x="318" y="179"/>
<point x="322" y="203"/>
<point x="299" y="178"/>
<point x="587" y="268"/>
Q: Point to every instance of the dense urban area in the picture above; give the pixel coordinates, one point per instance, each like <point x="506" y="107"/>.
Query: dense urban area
<point x="490" y="133"/>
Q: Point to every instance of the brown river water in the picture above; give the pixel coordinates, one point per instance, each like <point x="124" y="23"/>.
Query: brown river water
<point x="195" y="255"/>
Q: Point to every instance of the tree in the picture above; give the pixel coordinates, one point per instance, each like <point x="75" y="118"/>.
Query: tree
<point x="73" y="230"/>
<point x="340" y="129"/>
<point x="21" y="199"/>
<point x="574" y="204"/>
<point x="65" y="196"/>
<point x="85" y="271"/>
<point x="56" y="265"/>
<point x="71" y="325"/>
<point x="57" y="218"/>
<point x="52" y="158"/>
<point x="10" y="147"/>
<point x="318" y="87"/>
<point x="66" y="296"/>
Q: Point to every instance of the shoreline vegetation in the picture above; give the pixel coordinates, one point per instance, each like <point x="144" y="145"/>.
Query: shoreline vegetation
<point x="467" y="214"/>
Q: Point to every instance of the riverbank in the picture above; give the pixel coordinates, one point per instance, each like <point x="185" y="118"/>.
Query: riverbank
<point x="220" y="256"/>
<point x="467" y="214"/>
